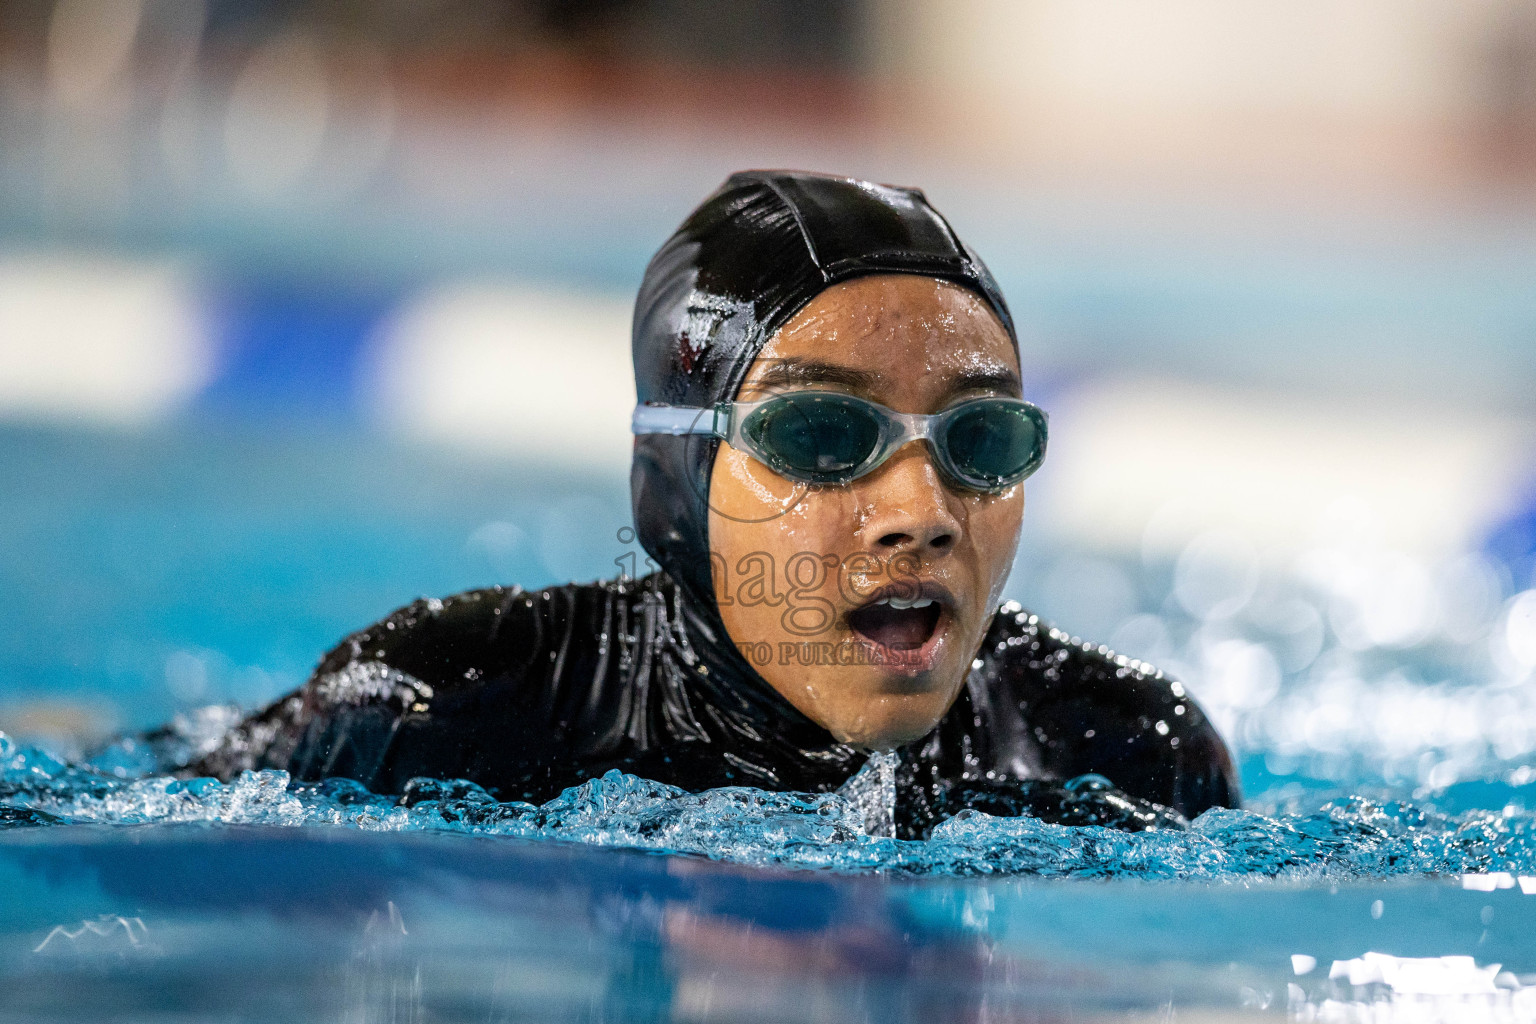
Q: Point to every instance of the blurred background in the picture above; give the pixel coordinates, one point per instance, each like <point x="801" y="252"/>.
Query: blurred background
<point x="308" y="309"/>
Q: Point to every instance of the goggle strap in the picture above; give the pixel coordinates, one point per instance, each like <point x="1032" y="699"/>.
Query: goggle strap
<point x="677" y="420"/>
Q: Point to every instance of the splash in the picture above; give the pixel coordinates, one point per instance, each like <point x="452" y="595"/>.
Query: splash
<point x="872" y="791"/>
<point x="845" y="831"/>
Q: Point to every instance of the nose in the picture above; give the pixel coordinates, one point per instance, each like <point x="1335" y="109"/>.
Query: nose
<point x="909" y="507"/>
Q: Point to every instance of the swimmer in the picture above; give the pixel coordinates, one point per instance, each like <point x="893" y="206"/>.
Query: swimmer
<point x="829" y="463"/>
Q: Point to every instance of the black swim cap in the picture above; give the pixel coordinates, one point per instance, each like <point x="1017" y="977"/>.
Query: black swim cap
<point x="742" y="264"/>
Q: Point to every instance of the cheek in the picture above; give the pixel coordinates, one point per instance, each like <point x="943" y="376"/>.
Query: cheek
<point x="759" y="521"/>
<point x="752" y="508"/>
<point x="823" y="521"/>
<point x="993" y="523"/>
<point x="744" y="490"/>
<point x="998" y="517"/>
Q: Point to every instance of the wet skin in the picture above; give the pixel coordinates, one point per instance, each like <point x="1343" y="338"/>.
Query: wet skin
<point x="917" y="345"/>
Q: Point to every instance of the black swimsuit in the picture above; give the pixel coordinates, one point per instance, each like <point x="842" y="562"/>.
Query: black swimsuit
<point x="526" y="693"/>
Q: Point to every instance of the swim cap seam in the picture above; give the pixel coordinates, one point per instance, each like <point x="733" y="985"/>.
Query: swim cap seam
<point x="805" y="234"/>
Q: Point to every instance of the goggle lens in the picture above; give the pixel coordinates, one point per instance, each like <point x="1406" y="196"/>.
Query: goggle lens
<point x="992" y="444"/>
<point x="819" y="437"/>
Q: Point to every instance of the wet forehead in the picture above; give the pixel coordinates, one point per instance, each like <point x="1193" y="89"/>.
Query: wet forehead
<point x="896" y="335"/>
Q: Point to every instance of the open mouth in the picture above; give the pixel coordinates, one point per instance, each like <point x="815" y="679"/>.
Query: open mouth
<point x="897" y="624"/>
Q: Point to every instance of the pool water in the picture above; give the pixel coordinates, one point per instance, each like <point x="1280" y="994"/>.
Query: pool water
<point x="1384" y="867"/>
<point x="267" y="923"/>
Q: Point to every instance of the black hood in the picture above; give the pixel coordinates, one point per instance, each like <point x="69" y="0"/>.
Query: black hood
<point x="742" y="264"/>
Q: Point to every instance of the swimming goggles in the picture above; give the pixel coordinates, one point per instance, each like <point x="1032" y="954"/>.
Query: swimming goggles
<point x="826" y="437"/>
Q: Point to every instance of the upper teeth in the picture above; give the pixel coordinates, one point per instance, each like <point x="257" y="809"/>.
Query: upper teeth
<point x="901" y="604"/>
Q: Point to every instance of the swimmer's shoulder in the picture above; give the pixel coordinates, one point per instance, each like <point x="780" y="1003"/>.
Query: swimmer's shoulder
<point x="1050" y="660"/>
<point x="442" y="686"/>
<point x="463" y="640"/>
<point x="1092" y="709"/>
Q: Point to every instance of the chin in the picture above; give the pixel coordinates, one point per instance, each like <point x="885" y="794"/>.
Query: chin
<point x="907" y="717"/>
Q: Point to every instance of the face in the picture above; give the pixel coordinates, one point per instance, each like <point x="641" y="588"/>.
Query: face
<point x="864" y="603"/>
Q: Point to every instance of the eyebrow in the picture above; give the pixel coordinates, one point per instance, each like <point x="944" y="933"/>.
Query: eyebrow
<point x="798" y="372"/>
<point x="793" y="372"/>
<point x="997" y="378"/>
